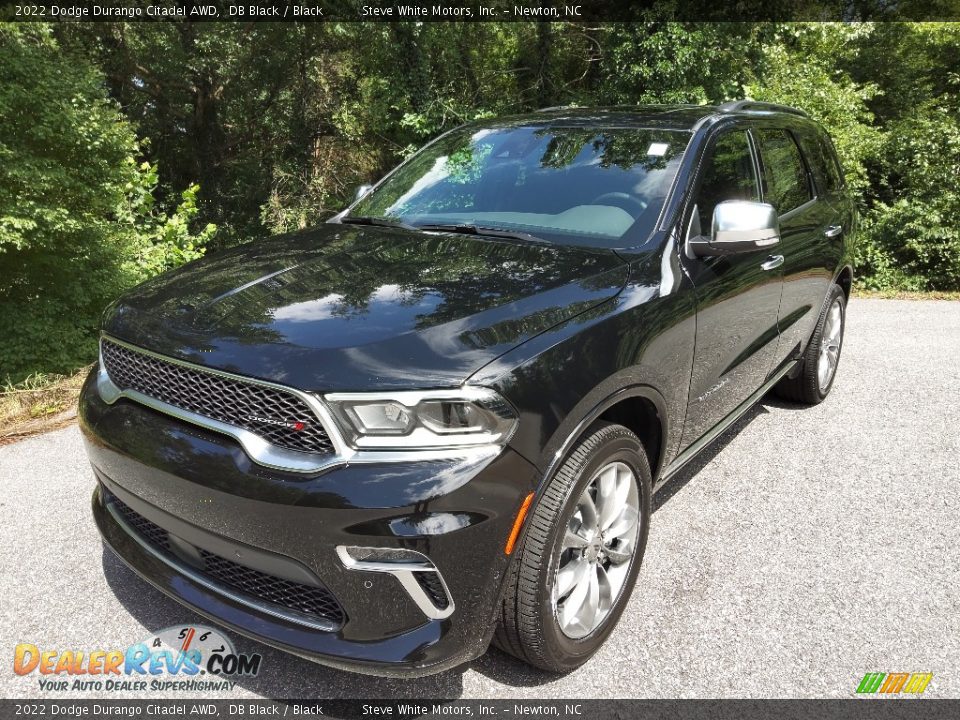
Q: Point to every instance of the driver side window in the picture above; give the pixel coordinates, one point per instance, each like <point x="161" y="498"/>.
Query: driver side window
<point x="729" y="174"/>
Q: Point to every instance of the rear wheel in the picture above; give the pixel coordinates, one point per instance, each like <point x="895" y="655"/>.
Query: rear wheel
<point x="818" y="368"/>
<point x="581" y="555"/>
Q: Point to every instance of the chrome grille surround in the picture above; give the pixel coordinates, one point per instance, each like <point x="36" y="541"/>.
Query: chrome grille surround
<point x="267" y="411"/>
<point x="257" y="447"/>
<point x="259" y="414"/>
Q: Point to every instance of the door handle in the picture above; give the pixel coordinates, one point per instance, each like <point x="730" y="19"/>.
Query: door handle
<point x="772" y="262"/>
<point x="833" y="231"/>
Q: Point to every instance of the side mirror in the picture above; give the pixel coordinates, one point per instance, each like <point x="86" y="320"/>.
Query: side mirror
<point x="361" y="191"/>
<point x="739" y="226"/>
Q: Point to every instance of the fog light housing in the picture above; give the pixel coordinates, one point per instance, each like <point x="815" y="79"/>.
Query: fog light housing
<point x="416" y="572"/>
<point x="355" y="554"/>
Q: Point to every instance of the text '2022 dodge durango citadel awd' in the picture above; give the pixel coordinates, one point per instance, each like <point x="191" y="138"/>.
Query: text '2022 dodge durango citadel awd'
<point x="439" y="418"/>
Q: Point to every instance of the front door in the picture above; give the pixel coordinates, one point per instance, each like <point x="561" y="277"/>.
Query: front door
<point x="738" y="296"/>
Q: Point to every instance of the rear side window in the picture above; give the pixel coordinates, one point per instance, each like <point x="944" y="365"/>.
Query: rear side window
<point x="823" y="162"/>
<point x="833" y="162"/>
<point x="728" y="175"/>
<point x="785" y="182"/>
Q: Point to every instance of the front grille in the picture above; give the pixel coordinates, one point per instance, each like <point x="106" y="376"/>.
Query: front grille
<point x="309" y="600"/>
<point x="248" y="405"/>
<point x="433" y="586"/>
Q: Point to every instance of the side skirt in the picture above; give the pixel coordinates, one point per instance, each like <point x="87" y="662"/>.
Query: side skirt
<point x="708" y="437"/>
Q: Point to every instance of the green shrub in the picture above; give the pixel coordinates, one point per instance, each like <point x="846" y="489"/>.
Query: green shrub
<point x="911" y="237"/>
<point x="77" y="222"/>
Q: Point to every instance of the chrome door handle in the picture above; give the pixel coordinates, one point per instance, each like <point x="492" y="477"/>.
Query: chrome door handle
<point x="833" y="231"/>
<point x="772" y="263"/>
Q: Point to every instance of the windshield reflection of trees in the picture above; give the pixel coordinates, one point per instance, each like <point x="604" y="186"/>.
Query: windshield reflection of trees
<point x="627" y="150"/>
<point x="457" y="167"/>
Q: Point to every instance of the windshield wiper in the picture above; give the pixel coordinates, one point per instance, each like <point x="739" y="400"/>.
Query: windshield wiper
<point x="377" y="221"/>
<point x="468" y="229"/>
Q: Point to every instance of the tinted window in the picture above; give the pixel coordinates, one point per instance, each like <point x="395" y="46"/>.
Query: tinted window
<point x="784" y="175"/>
<point x="728" y="175"/>
<point x="834" y="174"/>
<point x="822" y="161"/>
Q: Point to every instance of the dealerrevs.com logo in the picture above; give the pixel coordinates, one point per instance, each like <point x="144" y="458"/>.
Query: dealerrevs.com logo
<point x="186" y="657"/>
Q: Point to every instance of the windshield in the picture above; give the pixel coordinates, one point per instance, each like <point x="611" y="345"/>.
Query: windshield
<point x="566" y="185"/>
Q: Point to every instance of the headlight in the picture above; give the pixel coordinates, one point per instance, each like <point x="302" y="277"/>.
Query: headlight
<point x="429" y="419"/>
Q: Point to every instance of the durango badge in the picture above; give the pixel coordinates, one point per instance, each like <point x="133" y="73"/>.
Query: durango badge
<point x="295" y="425"/>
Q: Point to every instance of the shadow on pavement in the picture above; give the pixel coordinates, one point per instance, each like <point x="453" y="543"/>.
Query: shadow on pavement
<point x="707" y="455"/>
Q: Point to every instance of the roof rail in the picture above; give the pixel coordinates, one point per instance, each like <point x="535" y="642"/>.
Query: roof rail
<point x="553" y="108"/>
<point x="748" y="105"/>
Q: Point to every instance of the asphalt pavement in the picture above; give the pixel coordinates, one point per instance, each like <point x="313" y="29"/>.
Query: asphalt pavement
<point x="808" y="546"/>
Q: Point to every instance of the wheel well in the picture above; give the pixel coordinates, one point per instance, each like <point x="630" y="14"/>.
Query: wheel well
<point x="845" y="281"/>
<point x="640" y="415"/>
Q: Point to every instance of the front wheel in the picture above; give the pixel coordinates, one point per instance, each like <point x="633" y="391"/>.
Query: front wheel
<point x="818" y="368"/>
<point x="581" y="555"/>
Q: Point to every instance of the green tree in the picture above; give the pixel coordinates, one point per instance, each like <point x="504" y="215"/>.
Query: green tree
<point x="802" y="65"/>
<point x="911" y="234"/>
<point x="911" y="237"/>
<point x="76" y="210"/>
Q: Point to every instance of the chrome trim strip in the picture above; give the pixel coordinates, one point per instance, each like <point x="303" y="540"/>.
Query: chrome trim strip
<point x="196" y="577"/>
<point x="718" y="429"/>
<point x="263" y="452"/>
<point x="403" y="571"/>
<point x="798" y="209"/>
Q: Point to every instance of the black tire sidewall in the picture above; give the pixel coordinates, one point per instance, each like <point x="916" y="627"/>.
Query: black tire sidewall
<point x="626" y="449"/>
<point x="835" y="294"/>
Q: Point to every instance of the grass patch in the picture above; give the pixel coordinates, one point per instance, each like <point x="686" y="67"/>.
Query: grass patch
<point x="907" y="294"/>
<point x="39" y="403"/>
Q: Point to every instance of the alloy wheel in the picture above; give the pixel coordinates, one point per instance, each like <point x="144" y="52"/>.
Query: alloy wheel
<point x="830" y="341"/>
<point x="596" y="551"/>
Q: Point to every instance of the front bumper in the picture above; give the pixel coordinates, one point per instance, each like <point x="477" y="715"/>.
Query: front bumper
<point x="201" y="488"/>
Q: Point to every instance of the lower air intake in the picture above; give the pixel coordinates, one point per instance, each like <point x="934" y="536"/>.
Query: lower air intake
<point x="303" y="599"/>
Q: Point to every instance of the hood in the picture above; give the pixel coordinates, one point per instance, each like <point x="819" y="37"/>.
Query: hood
<point x="357" y="308"/>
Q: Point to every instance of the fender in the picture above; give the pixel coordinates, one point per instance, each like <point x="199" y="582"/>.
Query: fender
<point x="843" y="267"/>
<point x="587" y="418"/>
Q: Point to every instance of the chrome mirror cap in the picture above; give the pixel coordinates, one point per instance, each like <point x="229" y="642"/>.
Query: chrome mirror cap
<point x="739" y="226"/>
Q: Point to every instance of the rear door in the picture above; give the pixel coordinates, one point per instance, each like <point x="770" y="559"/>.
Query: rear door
<point x="808" y="231"/>
<point x="737" y="295"/>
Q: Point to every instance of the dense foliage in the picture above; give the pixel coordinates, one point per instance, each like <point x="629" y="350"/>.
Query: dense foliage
<point x="77" y="216"/>
<point x="123" y="145"/>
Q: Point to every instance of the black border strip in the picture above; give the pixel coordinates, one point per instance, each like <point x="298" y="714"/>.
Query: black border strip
<point x="885" y="708"/>
<point x="588" y="11"/>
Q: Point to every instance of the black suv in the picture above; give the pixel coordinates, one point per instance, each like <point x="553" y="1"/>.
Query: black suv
<point x="439" y="418"/>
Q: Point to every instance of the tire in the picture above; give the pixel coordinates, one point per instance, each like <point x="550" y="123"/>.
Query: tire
<point x="530" y="624"/>
<point x="807" y="386"/>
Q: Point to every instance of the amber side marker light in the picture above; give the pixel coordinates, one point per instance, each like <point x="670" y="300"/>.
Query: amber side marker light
<point x="518" y="523"/>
